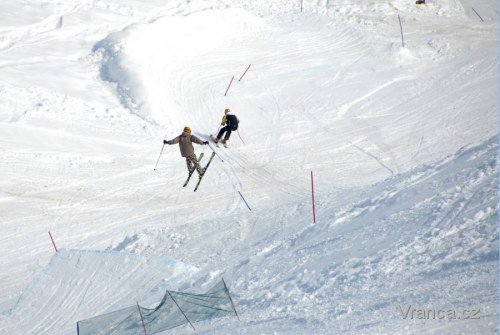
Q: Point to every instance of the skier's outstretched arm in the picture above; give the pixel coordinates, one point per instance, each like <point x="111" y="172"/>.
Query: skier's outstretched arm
<point x="197" y="140"/>
<point x="172" y="141"/>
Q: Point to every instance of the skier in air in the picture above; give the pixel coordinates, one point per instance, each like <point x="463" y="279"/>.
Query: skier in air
<point x="231" y="123"/>
<point x="185" y="144"/>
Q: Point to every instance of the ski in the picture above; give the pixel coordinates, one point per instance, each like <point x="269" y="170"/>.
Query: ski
<point x="206" y="167"/>
<point x="217" y="142"/>
<point x="213" y="140"/>
<point x="191" y="173"/>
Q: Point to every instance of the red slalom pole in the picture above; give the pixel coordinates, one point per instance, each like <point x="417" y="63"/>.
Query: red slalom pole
<point x="232" y="78"/>
<point x="244" y="72"/>
<point x="53" y="241"/>
<point x="312" y="194"/>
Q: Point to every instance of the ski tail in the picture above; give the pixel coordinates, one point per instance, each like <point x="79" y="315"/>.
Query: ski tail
<point x="206" y="167"/>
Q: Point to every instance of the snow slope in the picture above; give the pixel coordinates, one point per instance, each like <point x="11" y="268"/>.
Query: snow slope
<point x="402" y="142"/>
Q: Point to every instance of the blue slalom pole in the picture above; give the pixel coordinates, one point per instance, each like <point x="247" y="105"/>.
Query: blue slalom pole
<point x="477" y="14"/>
<point x="241" y="195"/>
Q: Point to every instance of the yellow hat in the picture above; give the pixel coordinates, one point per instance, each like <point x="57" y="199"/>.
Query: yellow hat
<point x="187" y="130"/>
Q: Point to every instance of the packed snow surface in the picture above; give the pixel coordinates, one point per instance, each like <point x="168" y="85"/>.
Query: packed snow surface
<point x="402" y="143"/>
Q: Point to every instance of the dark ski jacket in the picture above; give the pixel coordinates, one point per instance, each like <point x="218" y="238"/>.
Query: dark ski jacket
<point x="231" y="120"/>
<point x="185" y="143"/>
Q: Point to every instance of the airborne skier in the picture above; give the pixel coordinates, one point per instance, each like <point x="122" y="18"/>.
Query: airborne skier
<point x="231" y="123"/>
<point x="185" y="144"/>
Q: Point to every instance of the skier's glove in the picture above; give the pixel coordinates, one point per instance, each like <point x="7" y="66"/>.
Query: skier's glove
<point x="164" y="141"/>
<point x="206" y="142"/>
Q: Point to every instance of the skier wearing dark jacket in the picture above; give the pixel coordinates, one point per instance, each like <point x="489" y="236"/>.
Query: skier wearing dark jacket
<point x="185" y="144"/>
<point x="231" y="123"/>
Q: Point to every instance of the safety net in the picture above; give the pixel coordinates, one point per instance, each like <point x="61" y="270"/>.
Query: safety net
<point x="175" y="309"/>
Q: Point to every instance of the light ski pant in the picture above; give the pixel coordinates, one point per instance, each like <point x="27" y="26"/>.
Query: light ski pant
<point x="190" y="161"/>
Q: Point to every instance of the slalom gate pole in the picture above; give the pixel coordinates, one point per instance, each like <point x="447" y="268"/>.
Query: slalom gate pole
<point x="401" y="27"/>
<point x="231" y="300"/>
<point x="312" y="195"/>
<point x="477" y="14"/>
<point x="180" y="309"/>
<point x="240" y="136"/>
<point x="301" y="5"/>
<point x="142" y="319"/>
<point x="159" y="156"/>
<point x="244" y="72"/>
<point x="216" y="153"/>
<point x="241" y="195"/>
<point x="53" y="243"/>
<point x="232" y="78"/>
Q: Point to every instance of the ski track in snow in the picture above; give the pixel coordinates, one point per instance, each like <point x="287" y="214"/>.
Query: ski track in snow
<point x="402" y="142"/>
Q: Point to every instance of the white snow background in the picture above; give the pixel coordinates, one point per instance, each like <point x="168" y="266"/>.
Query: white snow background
<point x="403" y="144"/>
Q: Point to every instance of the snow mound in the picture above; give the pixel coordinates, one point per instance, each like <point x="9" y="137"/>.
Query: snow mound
<point x="156" y="67"/>
<point x="79" y="284"/>
<point x="400" y="242"/>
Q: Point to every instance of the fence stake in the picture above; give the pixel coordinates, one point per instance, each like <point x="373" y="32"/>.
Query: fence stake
<point x="244" y="72"/>
<point x="231" y="300"/>
<point x="232" y="78"/>
<point x="142" y="319"/>
<point x="53" y="243"/>
<point x="401" y="27"/>
<point x="312" y="195"/>
<point x="181" y="310"/>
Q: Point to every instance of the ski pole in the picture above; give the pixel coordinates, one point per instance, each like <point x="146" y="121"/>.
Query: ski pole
<point x="240" y="137"/>
<point x="216" y="153"/>
<point x="159" y="156"/>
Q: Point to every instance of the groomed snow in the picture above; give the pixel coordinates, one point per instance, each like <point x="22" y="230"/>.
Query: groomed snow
<point x="403" y="143"/>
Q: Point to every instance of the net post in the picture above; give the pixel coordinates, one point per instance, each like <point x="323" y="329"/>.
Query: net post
<point x="142" y="319"/>
<point x="180" y="310"/>
<point x="230" y="300"/>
